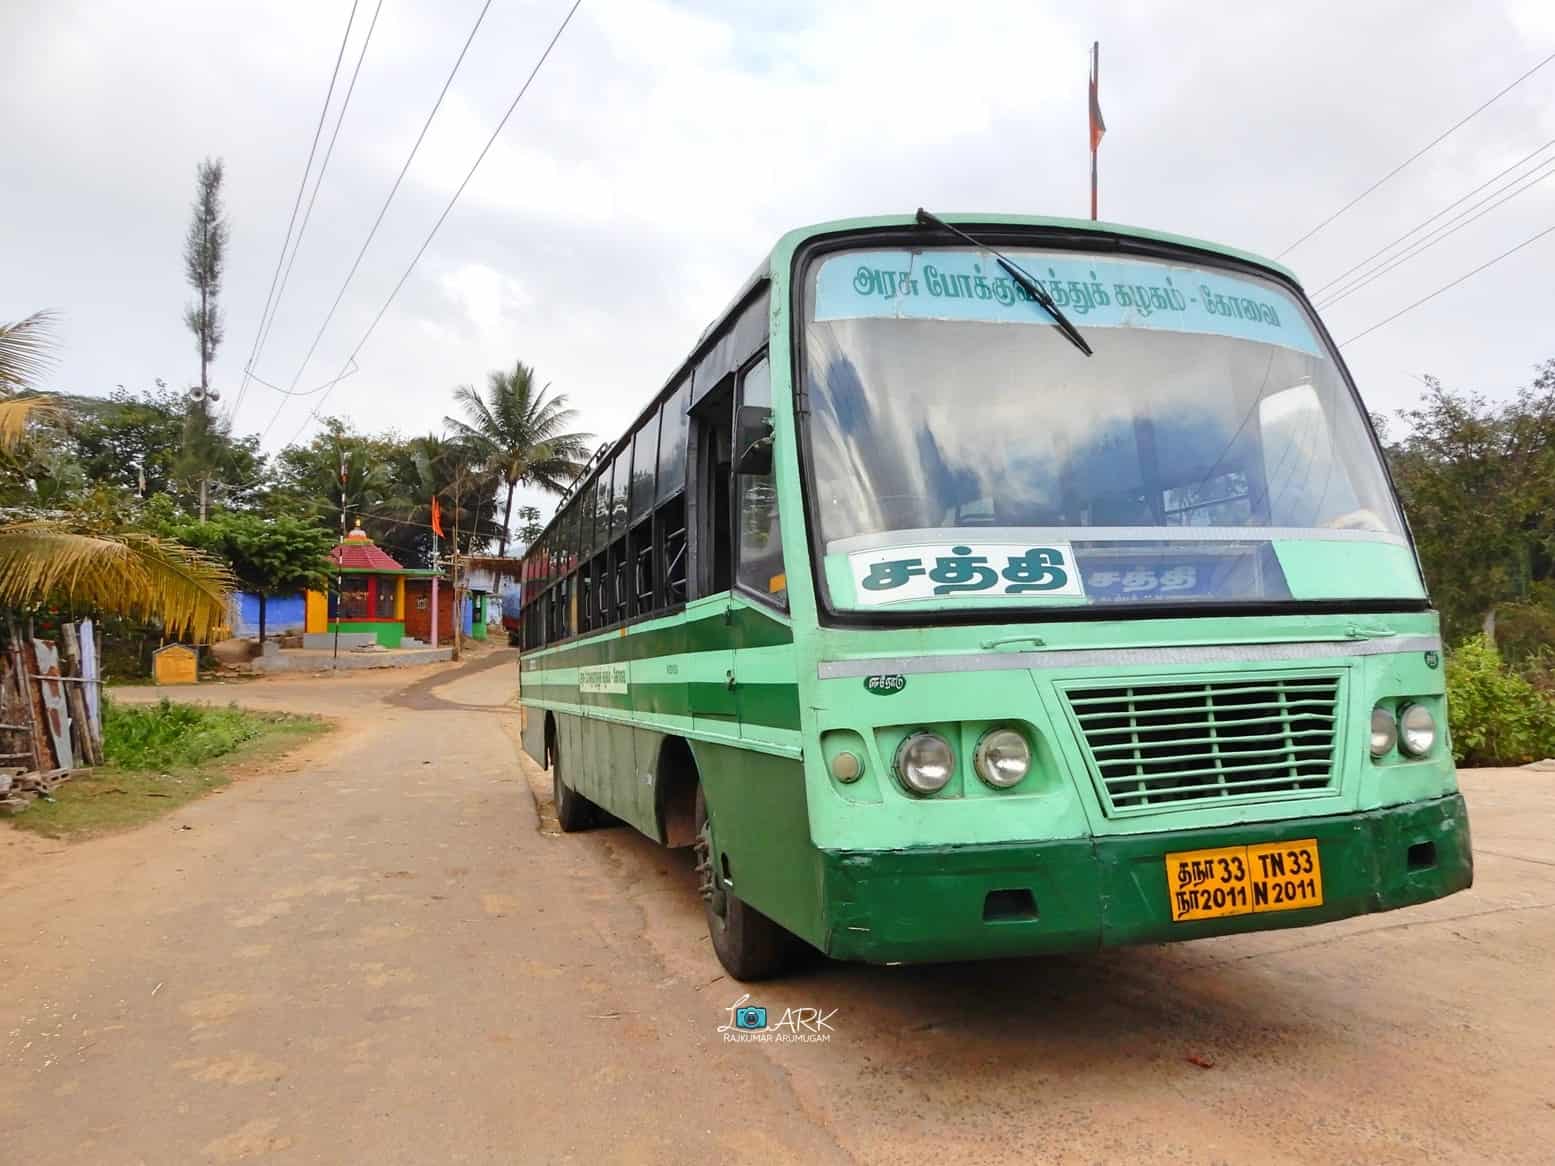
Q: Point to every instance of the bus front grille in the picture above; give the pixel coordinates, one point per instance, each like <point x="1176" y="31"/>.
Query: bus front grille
<point x="1156" y="746"/>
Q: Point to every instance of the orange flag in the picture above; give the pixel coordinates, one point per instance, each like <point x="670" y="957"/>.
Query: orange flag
<point x="437" y="519"/>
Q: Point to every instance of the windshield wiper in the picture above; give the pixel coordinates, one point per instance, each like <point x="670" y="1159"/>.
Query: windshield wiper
<point x="1018" y="274"/>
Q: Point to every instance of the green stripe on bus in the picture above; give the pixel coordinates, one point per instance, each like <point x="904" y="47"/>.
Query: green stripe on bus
<point x="735" y="627"/>
<point x="774" y="706"/>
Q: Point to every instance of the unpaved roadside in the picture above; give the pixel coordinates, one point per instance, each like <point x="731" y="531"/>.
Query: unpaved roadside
<point x="375" y="958"/>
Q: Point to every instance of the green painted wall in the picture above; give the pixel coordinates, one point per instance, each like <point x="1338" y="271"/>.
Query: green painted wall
<point x="389" y="633"/>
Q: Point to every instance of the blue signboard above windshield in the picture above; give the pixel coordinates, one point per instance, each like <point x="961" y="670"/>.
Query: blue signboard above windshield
<point x="966" y="285"/>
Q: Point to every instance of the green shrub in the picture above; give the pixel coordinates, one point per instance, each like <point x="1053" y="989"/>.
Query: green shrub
<point x="1525" y="630"/>
<point x="171" y="736"/>
<point x="1496" y="717"/>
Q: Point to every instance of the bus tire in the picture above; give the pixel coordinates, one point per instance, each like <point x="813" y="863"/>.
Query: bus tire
<point x="748" y="944"/>
<point x="574" y="812"/>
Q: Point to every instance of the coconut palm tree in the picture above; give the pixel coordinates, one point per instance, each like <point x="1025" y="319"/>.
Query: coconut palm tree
<point x="120" y="573"/>
<point x="521" y="433"/>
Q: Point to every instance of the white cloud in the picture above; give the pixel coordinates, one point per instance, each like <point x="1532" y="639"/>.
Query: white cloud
<point x="665" y="146"/>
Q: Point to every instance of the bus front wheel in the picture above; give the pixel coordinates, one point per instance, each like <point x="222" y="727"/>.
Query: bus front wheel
<point x="748" y="944"/>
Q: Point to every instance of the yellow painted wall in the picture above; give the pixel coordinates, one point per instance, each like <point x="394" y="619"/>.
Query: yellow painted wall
<point x="399" y="598"/>
<point x="317" y="612"/>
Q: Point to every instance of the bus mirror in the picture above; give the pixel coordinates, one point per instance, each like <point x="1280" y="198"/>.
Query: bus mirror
<point x="753" y="439"/>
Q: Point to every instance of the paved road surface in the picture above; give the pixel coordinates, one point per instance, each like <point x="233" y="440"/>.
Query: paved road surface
<point x="372" y="954"/>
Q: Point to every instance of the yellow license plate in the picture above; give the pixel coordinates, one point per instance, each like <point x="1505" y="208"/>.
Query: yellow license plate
<point x="1243" y="880"/>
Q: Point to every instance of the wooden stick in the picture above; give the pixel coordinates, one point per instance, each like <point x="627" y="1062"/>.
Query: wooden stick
<point x="75" y="696"/>
<point x="27" y="697"/>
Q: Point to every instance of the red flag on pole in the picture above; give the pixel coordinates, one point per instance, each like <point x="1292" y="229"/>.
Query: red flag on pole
<point x="437" y="519"/>
<point x="1098" y="127"/>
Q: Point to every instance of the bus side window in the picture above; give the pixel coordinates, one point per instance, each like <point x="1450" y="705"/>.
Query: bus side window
<point x="670" y="499"/>
<point x="601" y="571"/>
<point x="639" y="547"/>
<point x="760" y="545"/>
<point x="620" y="564"/>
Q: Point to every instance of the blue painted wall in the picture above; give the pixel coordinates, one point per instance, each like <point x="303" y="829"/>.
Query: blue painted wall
<point x="283" y="613"/>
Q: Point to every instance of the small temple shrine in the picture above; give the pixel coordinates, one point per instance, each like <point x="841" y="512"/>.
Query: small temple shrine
<point x="372" y="594"/>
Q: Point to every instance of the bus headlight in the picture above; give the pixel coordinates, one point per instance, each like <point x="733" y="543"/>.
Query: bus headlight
<point x="924" y="763"/>
<point x="1416" y="730"/>
<point x="1384" y="732"/>
<point x="1002" y="758"/>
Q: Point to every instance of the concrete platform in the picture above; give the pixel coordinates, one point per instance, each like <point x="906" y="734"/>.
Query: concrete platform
<point x="324" y="659"/>
<point x="325" y="641"/>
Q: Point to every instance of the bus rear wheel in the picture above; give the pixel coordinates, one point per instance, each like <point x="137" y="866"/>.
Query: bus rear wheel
<point x="574" y="812"/>
<point x="748" y="944"/>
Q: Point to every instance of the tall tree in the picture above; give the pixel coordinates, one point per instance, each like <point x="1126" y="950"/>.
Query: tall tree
<point x="205" y="251"/>
<point x="1478" y="483"/>
<point x="451" y="471"/>
<point x="136" y="442"/>
<point x="522" y="433"/>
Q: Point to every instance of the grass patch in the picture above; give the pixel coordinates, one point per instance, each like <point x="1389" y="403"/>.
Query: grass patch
<point x="158" y="758"/>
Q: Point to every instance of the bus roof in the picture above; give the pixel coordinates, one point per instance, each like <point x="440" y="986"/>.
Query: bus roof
<point x="792" y="239"/>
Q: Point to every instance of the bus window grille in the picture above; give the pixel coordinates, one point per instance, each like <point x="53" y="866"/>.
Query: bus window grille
<point x="645" y="579"/>
<point x="1158" y="746"/>
<point x="675" y="573"/>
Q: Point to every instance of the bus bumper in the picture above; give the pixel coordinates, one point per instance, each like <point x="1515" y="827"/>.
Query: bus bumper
<point x="971" y="902"/>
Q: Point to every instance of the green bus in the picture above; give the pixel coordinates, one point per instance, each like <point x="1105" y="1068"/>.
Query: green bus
<point x="999" y="586"/>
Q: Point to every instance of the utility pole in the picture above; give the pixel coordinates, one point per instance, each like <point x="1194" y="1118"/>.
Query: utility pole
<point x="436" y="567"/>
<point x="340" y="577"/>
<point x="458" y="597"/>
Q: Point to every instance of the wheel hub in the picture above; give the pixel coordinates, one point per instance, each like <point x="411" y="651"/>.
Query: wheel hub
<point x="709" y="885"/>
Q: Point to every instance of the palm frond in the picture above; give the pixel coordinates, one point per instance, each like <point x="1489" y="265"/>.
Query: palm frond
<point x="477" y="410"/>
<point x="26" y="350"/>
<point x="16" y="413"/>
<point x="128" y="574"/>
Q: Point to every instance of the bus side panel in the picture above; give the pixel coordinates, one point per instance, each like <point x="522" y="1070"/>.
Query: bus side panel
<point x="614" y="758"/>
<point x="534" y="734"/>
<point x="645" y="749"/>
<point x="762" y="825"/>
<point x="623" y="792"/>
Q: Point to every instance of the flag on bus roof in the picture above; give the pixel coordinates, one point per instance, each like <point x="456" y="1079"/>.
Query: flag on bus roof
<point x="1098" y="127"/>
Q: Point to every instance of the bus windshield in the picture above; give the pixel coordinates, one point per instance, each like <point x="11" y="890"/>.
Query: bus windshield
<point x="962" y="451"/>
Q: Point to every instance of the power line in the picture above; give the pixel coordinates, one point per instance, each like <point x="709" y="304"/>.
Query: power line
<point x="1449" y="286"/>
<point x="280" y="259"/>
<point x="1446" y="230"/>
<point x="1343" y="275"/>
<point x="323" y="166"/>
<point x="1431" y="145"/>
<point x="350" y="275"/>
<point x="561" y="28"/>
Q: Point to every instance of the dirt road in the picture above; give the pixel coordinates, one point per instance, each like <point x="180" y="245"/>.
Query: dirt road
<point x="373" y="955"/>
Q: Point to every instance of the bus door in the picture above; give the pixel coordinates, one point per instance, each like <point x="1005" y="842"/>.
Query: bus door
<point x="709" y="656"/>
<point x="765" y="693"/>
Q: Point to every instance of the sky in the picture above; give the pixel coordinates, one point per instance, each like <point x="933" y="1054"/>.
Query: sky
<point x="664" y="147"/>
